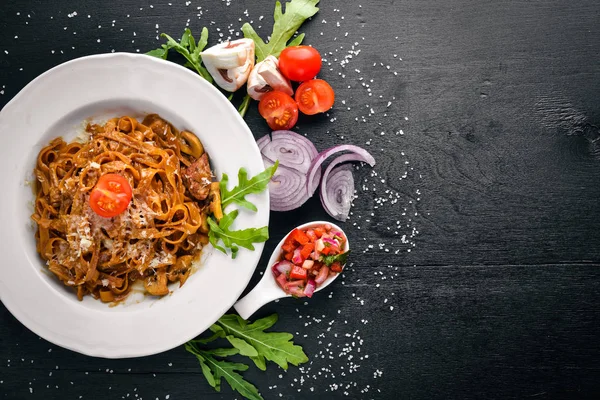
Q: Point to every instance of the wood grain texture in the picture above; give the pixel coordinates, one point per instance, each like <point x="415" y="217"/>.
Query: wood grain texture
<point x="476" y="265"/>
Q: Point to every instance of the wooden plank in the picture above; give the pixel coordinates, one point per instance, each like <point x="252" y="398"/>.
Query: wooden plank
<point x="490" y="177"/>
<point x="503" y="331"/>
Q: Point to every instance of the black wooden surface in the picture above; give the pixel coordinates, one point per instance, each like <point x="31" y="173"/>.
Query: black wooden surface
<point x="475" y="273"/>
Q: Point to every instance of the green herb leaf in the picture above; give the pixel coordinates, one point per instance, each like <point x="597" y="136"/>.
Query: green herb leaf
<point x="257" y="344"/>
<point x="223" y="352"/>
<point x="244" y="106"/>
<point x="214" y="370"/>
<point x="342" y="258"/>
<point x="286" y="24"/>
<point x="161" y="52"/>
<point x="238" y="194"/>
<point x="242" y="346"/>
<point x="217" y="334"/>
<point x="202" y="42"/>
<point x="207" y="373"/>
<point x="185" y="38"/>
<point x="232" y="239"/>
<point x="297" y="41"/>
<point x="188" y="48"/>
<point x="272" y="346"/>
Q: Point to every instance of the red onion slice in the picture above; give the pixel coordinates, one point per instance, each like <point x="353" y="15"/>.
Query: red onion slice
<point x="262" y="142"/>
<point x="291" y="149"/>
<point x="299" y="173"/>
<point x="337" y="192"/>
<point x="287" y="189"/>
<point x="297" y="257"/>
<point x="311" y="285"/>
<point x="322" y="275"/>
<point x="282" y="267"/>
<point x="337" y="185"/>
<point x="361" y="155"/>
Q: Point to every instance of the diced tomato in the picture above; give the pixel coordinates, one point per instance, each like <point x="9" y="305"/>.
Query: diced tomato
<point x="317" y="266"/>
<point x="319" y="231"/>
<point x="336" y="267"/>
<point x="298" y="273"/>
<point x="288" y="247"/>
<point x="299" y="236"/>
<point x="305" y="273"/>
<point x="307" y="249"/>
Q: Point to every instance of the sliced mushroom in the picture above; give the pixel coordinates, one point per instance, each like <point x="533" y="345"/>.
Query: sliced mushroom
<point x="194" y="145"/>
<point x="265" y="76"/>
<point x="230" y="63"/>
<point x="157" y="285"/>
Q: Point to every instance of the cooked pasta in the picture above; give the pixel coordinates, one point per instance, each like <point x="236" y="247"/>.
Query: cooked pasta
<point x="163" y="227"/>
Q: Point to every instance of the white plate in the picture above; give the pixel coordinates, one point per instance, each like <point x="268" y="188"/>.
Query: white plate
<point x="55" y="104"/>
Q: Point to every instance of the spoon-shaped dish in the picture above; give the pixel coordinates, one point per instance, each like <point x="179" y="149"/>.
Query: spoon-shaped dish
<point x="267" y="289"/>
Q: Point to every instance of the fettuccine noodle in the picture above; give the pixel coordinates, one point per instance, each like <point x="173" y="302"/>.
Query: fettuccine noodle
<point x="156" y="238"/>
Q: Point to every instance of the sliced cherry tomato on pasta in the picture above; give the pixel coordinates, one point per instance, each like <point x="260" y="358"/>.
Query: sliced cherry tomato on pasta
<point x="111" y="195"/>
<point x="300" y="63"/>
<point x="279" y="109"/>
<point x="314" y="96"/>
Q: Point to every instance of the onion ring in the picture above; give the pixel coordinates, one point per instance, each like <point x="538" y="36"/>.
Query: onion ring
<point x="315" y="168"/>
<point x="337" y="191"/>
<point x="287" y="189"/>
<point x="291" y="149"/>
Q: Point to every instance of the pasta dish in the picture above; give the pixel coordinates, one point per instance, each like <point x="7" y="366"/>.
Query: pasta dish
<point x="129" y="204"/>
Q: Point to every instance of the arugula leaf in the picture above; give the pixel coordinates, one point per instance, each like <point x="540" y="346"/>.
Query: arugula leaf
<point x="342" y="258"/>
<point x="252" y="338"/>
<point x="238" y="194"/>
<point x="297" y="41"/>
<point x="220" y="232"/>
<point x="244" y="105"/>
<point x="214" y="370"/>
<point x="217" y="334"/>
<point x="188" y="48"/>
<point x="232" y="239"/>
<point x="241" y="346"/>
<point x="224" y="224"/>
<point x="272" y="346"/>
<point x="223" y="352"/>
<point x="161" y="52"/>
<point x="286" y="24"/>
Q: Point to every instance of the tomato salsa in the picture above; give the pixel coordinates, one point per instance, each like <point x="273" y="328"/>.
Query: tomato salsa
<point x="308" y="258"/>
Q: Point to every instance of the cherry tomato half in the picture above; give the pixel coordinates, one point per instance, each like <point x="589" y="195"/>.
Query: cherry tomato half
<point x="314" y="96"/>
<point x="279" y="109"/>
<point x="299" y="63"/>
<point x="110" y="196"/>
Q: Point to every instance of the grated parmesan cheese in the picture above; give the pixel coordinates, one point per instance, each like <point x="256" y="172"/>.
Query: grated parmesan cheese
<point x="85" y="244"/>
